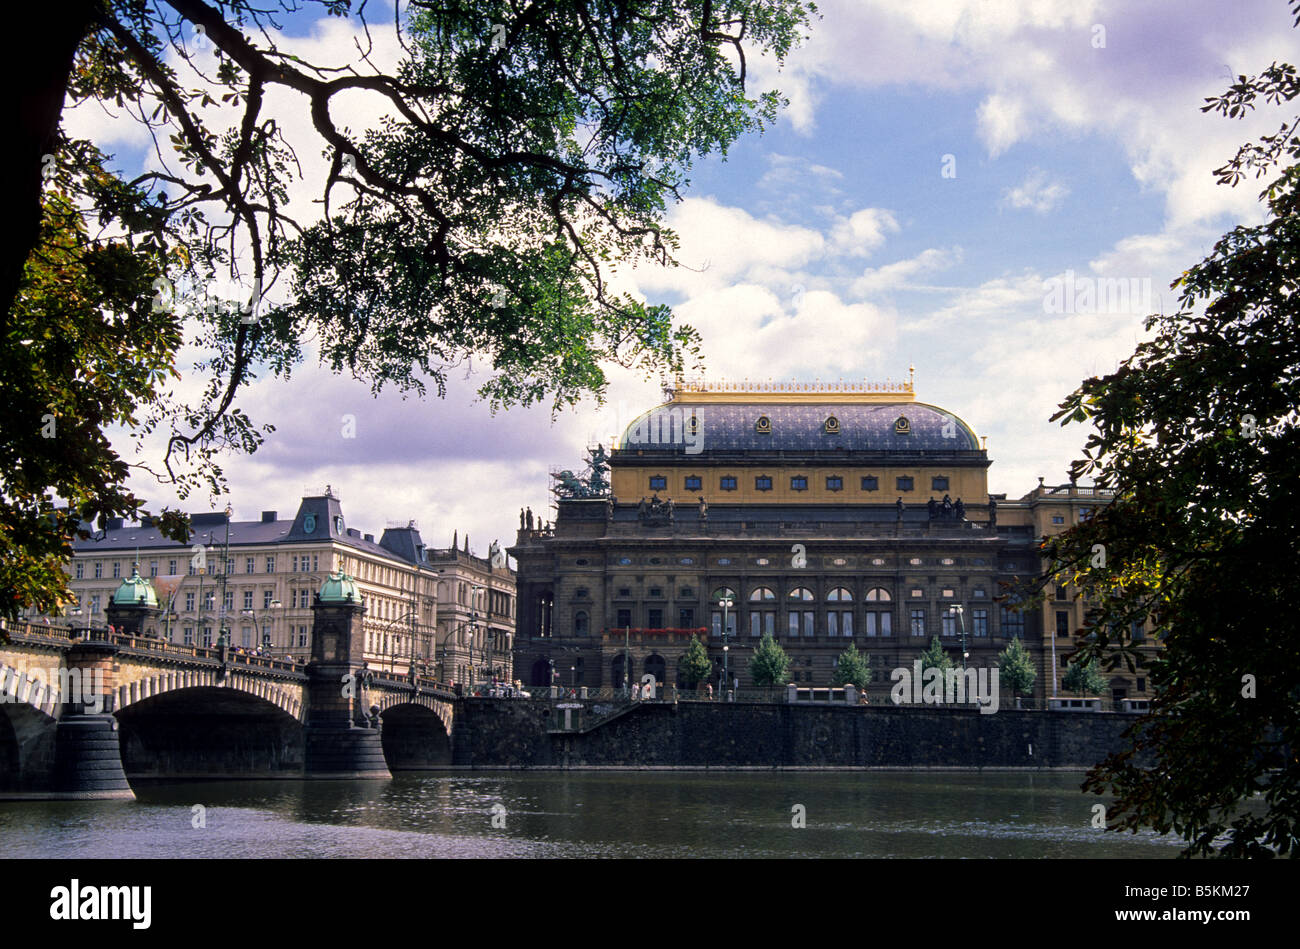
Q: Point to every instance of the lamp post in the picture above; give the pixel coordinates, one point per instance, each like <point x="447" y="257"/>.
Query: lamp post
<point x="393" y="651"/>
<point x="726" y="603"/>
<point x="958" y="610"/>
<point x="225" y="571"/>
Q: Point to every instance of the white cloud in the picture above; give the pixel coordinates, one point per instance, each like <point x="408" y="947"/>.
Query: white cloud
<point x="1035" y="192"/>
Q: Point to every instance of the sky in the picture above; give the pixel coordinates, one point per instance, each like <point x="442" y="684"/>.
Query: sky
<point x="956" y="186"/>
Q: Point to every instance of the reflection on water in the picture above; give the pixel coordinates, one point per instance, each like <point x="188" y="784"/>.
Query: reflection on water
<point x="586" y="814"/>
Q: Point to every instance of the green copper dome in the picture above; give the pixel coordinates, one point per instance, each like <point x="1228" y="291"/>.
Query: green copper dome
<point x="339" y="588"/>
<point x="135" y="591"/>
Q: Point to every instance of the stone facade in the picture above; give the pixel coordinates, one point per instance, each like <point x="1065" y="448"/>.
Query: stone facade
<point x="824" y="516"/>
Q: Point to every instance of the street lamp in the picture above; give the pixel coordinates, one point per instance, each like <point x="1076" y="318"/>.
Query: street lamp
<point x="958" y="611"/>
<point x="727" y="603"/>
<point x="225" y="571"/>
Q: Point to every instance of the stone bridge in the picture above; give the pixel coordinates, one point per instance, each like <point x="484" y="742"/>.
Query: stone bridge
<point x="83" y="710"/>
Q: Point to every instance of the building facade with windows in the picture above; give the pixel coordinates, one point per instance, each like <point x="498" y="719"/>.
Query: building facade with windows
<point x="824" y="515"/>
<point x="257" y="580"/>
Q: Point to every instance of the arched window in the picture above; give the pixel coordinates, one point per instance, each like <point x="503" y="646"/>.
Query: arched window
<point x="801" y="618"/>
<point x="762" y="615"/>
<point x="880" y="622"/>
<point x="723" y="593"/>
<point x="655" y="666"/>
<point x="839" y="622"/>
<point x="581" y="624"/>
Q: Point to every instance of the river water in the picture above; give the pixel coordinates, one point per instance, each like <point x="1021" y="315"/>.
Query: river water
<point x="586" y="814"/>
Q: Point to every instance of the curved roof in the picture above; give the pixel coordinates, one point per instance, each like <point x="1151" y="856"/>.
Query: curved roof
<point x="339" y="588"/>
<point x="135" y="590"/>
<point x="799" y="427"/>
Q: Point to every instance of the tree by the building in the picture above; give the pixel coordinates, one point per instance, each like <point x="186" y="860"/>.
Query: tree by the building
<point x="1084" y="678"/>
<point x="852" y="667"/>
<point x="695" y="665"/>
<point x="935" y="657"/>
<point x="1016" y="668"/>
<point x="769" y="664"/>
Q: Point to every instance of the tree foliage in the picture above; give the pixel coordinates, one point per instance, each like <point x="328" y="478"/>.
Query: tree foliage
<point x="695" y="666"/>
<point x="1085" y="678"/>
<point x="1016" y="668"/>
<point x="935" y="657"/>
<point x="527" y="150"/>
<point x="769" y="665"/>
<point x="852" y="666"/>
<point x="1197" y="434"/>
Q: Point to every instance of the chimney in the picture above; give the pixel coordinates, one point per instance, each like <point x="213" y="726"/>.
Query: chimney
<point x="268" y="517"/>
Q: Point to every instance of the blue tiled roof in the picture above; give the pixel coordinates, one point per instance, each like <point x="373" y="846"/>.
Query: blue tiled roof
<point x="799" y="427"/>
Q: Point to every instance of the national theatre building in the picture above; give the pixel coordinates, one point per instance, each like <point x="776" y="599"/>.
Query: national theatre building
<point x="822" y="514"/>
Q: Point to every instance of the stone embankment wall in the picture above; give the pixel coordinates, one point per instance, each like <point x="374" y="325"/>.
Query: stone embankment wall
<point x="491" y="733"/>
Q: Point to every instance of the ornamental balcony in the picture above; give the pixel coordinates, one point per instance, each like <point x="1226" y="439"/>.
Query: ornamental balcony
<point x="669" y="634"/>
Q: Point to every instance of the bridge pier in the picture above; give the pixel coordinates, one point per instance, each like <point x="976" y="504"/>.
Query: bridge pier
<point x="87" y="750"/>
<point x="341" y="735"/>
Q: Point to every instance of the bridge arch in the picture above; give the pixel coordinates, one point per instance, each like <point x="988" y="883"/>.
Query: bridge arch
<point x="416" y="731"/>
<point x="288" y="700"/>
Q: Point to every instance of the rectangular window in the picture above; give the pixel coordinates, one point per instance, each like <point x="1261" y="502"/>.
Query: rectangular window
<point x="656" y="619"/>
<point x="1141" y="685"/>
<point x="799" y="483"/>
<point x="229" y="600"/>
<point x="658" y="483"/>
<point x="949" y="623"/>
<point x="1136" y="632"/>
<point x="1013" y="623"/>
<point x="302" y="637"/>
<point x="248" y="599"/>
<point x="979" y="623"/>
<point x="270" y="564"/>
<point x="686" y="618"/>
<point x="1062" y="624"/>
<point x="846" y="624"/>
<point x="189" y="636"/>
<point x="191" y="567"/>
<point x="903" y="483"/>
<point x="727" y="483"/>
<point x="250" y="564"/>
<point x="209" y="599"/>
<point x="153" y="568"/>
<point x="293" y="564"/>
<point x="918" y="622"/>
<point x="938" y="484"/>
<point x="834" y="483"/>
<point x="81" y="570"/>
<point x="267" y="596"/>
<point x="886" y="624"/>
<point x="1058" y="519"/>
<point x="624" y="618"/>
<point x="315" y="559"/>
<point x="171" y="568"/>
<point x="246" y="637"/>
<point x="94" y="604"/>
<point x="694" y="483"/>
<point x="794" y="625"/>
<point x="117" y="569"/>
<point x="189" y="602"/>
<point x="207" y="635"/>
<point x="763" y="483"/>
<point x="99" y="569"/>
<point x="832" y="624"/>
<point x="870" y="483"/>
<point x="1060" y="593"/>
<point x="230" y="565"/>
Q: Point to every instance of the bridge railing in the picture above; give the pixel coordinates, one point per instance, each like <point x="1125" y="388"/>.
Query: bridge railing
<point x="42" y="632"/>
